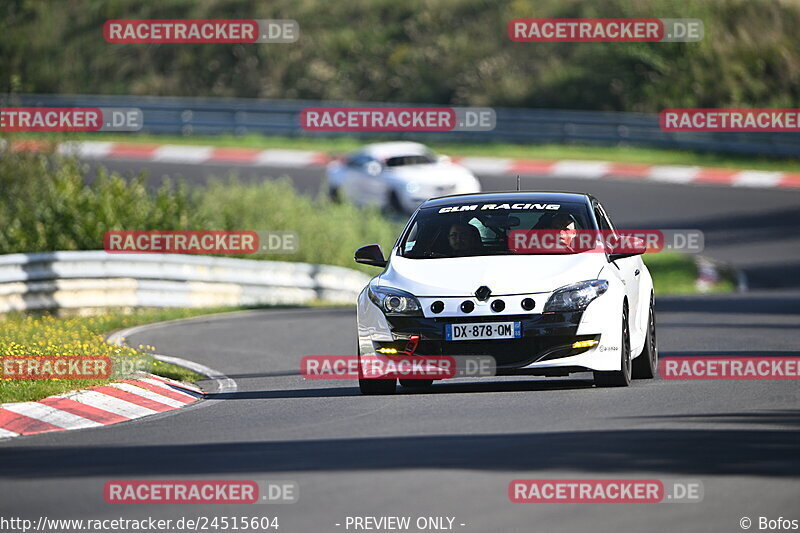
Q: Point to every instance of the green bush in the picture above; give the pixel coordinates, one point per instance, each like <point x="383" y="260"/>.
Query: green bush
<point x="46" y="205"/>
<point x="432" y="51"/>
<point x="328" y="233"/>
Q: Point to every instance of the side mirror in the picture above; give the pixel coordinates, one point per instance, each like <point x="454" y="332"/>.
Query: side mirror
<point x="615" y="256"/>
<point x="626" y="245"/>
<point x="371" y="254"/>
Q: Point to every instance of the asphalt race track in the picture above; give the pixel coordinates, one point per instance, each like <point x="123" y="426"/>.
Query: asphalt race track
<point x="452" y="451"/>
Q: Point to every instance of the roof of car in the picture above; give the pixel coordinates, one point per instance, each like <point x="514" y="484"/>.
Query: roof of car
<point x="506" y="197"/>
<point x="384" y="151"/>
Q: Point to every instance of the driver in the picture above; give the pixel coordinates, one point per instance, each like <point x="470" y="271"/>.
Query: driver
<point x="564" y="225"/>
<point x="565" y="228"/>
<point x="464" y="239"/>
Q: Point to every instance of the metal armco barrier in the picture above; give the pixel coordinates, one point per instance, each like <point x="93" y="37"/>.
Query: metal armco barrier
<point x="96" y="279"/>
<point x="211" y="116"/>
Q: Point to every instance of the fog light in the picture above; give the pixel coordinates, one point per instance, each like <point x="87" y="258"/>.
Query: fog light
<point x="467" y="306"/>
<point x="437" y="306"/>
<point x="387" y="350"/>
<point x="528" y="304"/>
<point x="585" y="344"/>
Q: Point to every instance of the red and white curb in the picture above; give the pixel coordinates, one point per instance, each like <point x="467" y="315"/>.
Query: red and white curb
<point x="127" y="399"/>
<point x="594" y="170"/>
<point x="193" y="155"/>
<point x="121" y="401"/>
<point x="675" y="174"/>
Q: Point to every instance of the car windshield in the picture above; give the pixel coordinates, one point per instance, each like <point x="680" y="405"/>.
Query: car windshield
<point x="406" y="160"/>
<point x="482" y="228"/>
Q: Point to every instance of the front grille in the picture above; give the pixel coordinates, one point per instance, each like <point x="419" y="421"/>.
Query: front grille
<point x="507" y="352"/>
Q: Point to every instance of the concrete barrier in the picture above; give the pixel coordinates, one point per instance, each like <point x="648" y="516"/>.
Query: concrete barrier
<point x="96" y="279"/>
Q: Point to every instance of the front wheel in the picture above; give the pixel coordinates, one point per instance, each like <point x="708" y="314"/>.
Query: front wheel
<point x="377" y="386"/>
<point x="646" y="365"/>
<point x="416" y="383"/>
<point x="393" y="204"/>
<point x="622" y="377"/>
<point x="371" y="386"/>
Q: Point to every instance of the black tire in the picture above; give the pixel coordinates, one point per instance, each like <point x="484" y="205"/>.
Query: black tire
<point x="377" y="386"/>
<point x="619" y="378"/>
<point x="335" y="195"/>
<point x="371" y="386"/>
<point x="416" y="383"/>
<point x="646" y="365"/>
<point x="393" y="205"/>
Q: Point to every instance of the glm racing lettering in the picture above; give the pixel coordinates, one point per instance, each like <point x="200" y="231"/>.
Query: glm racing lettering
<point x="490" y="207"/>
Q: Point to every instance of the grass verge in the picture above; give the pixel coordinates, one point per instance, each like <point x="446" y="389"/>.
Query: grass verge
<point x="48" y="335"/>
<point x="675" y="273"/>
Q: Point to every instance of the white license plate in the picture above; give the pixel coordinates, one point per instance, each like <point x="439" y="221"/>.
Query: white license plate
<point x="486" y="330"/>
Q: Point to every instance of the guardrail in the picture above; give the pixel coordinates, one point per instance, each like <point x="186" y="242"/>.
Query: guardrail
<point x="212" y="116"/>
<point x="96" y="279"/>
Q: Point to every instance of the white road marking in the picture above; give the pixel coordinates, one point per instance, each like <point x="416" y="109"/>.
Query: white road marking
<point x="144" y="393"/>
<point x="88" y="149"/>
<point x="6" y="434"/>
<point x="580" y="169"/>
<point x="183" y="154"/>
<point x="486" y="165"/>
<point x="166" y="386"/>
<point x="51" y="415"/>
<point x="111" y="404"/>
<point x="673" y="173"/>
<point x="756" y="178"/>
<point x="285" y="158"/>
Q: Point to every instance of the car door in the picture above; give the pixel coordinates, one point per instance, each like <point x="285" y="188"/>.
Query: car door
<point x="374" y="184"/>
<point x="364" y="180"/>
<point x="630" y="269"/>
<point x="352" y="182"/>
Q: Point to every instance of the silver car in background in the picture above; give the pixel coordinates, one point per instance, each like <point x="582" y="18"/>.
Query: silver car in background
<point x="396" y="176"/>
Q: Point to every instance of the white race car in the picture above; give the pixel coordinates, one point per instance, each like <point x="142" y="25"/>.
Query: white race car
<point x="397" y="176"/>
<point x="455" y="287"/>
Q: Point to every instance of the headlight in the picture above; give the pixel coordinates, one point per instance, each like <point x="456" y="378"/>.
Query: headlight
<point x="394" y="301"/>
<point x="412" y="187"/>
<point x="575" y="297"/>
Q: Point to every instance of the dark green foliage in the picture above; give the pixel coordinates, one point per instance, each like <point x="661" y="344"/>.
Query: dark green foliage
<point x="427" y="51"/>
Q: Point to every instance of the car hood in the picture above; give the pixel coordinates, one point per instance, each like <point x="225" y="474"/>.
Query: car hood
<point x="429" y="175"/>
<point x="503" y="274"/>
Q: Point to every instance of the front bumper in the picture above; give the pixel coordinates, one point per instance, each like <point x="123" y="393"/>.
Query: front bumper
<point x="544" y="348"/>
<point x="545" y="337"/>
